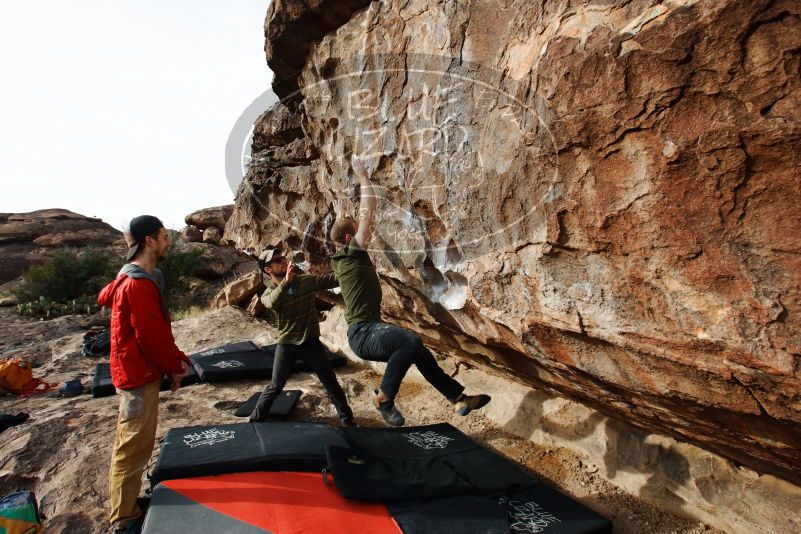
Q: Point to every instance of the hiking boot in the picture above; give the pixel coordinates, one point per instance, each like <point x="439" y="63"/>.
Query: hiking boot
<point x="467" y="403"/>
<point x="388" y="411"/>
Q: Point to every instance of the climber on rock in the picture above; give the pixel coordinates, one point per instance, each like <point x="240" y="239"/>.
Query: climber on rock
<point x="369" y="337"/>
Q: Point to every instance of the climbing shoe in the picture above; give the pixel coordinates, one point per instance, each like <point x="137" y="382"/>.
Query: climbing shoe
<point x="388" y="411"/>
<point x="467" y="403"/>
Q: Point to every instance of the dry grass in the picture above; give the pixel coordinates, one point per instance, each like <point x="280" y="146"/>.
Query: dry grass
<point x="192" y="311"/>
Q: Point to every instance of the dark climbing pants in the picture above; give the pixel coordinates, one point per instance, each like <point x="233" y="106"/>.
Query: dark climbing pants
<point x="400" y="348"/>
<point x="312" y="352"/>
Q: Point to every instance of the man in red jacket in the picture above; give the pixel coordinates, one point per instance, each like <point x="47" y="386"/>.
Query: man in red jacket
<point x="143" y="351"/>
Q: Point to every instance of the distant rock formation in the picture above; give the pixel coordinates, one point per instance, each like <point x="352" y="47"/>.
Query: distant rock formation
<point x="218" y="262"/>
<point x="28" y="239"/>
<point x="206" y="218"/>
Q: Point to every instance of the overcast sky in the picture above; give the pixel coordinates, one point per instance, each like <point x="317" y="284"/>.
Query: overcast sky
<point x="114" y="109"/>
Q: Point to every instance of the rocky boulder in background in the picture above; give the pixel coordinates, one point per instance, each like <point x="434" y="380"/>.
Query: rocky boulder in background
<point x="190" y="234"/>
<point x="212" y="235"/>
<point x="28" y="239"/>
<point x="206" y="225"/>
<point x="217" y="263"/>
<point x="240" y="291"/>
<point x="600" y="200"/>
<point x="208" y="217"/>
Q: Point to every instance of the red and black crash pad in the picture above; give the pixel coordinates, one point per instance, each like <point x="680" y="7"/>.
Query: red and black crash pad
<point x="103" y="387"/>
<point x="293" y="503"/>
<point x="261" y="502"/>
<point x="235" y="448"/>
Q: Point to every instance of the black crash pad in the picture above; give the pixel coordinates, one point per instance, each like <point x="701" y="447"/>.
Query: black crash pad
<point x="234" y="448"/>
<point x="539" y="509"/>
<point x="384" y="477"/>
<point x="415" y="441"/>
<point x="102" y="386"/>
<point x="547" y="510"/>
<point x="235" y="361"/>
<point x="301" y="367"/>
<point x="282" y="406"/>
<point x="389" y="464"/>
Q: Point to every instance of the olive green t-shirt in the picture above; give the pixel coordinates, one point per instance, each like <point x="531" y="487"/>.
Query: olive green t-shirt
<point x="359" y="282"/>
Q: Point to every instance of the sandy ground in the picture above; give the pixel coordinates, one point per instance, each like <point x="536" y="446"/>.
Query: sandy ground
<point x="62" y="452"/>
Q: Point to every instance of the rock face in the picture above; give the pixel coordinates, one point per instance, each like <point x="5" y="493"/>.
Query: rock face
<point x="206" y="225"/>
<point x="26" y="239"/>
<point x="217" y="263"/>
<point x="215" y="260"/>
<point x="600" y="199"/>
<point x="292" y="27"/>
<point x="212" y="235"/>
<point x="191" y="234"/>
<point x="240" y="291"/>
<point x="208" y="217"/>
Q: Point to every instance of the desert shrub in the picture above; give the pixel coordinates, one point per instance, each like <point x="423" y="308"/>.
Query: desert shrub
<point x="70" y="274"/>
<point x="47" y="309"/>
<point x="178" y="268"/>
<point x="70" y="281"/>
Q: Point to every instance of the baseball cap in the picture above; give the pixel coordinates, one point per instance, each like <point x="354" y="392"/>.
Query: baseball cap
<point x="270" y="253"/>
<point x="138" y="229"/>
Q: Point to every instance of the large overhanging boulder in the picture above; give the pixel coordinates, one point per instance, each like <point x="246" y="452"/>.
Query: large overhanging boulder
<point x="599" y="199"/>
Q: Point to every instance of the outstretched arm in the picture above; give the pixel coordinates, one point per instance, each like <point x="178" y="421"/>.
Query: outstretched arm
<point x="367" y="205"/>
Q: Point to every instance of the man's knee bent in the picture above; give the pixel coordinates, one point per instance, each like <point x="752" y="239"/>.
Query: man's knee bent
<point x="413" y="341"/>
<point x="410" y="345"/>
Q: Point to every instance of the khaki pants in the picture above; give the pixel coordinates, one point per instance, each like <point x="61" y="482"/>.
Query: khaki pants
<point x="136" y="436"/>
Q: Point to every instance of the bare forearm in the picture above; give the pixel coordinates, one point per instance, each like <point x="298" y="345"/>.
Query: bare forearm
<point x="367" y="204"/>
<point x="367" y="200"/>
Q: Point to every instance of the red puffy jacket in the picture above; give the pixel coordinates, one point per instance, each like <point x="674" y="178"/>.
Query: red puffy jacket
<point x="142" y="346"/>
